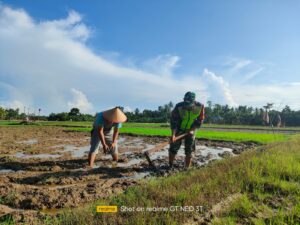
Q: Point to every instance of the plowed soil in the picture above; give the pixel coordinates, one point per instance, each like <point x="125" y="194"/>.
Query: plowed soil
<point x="44" y="169"/>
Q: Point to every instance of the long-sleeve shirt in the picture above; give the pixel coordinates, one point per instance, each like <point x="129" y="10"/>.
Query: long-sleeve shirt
<point x="176" y="119"/>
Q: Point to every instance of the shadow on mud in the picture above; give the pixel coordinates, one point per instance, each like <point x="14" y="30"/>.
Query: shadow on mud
<point x="74" y="168"/>
<point x="42" y="178"/>
<point x="41" y="165"/>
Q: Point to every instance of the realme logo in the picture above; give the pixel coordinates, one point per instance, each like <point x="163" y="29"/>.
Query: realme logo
<point x="107" y="209"/>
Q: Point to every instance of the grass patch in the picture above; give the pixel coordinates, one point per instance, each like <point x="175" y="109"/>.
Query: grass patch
<point x="240" y="208"/>
<point x="162" y="129"/>
<point x="7" y="220"/>
<point x="205" y="134"/>
<point x="146" y="125"/>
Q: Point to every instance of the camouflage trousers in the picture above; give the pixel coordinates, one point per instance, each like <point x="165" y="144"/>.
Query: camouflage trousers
<point x="189" y="144"/>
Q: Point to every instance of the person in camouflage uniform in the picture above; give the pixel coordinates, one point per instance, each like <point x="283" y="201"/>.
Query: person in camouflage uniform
<point x="186" y="117"/>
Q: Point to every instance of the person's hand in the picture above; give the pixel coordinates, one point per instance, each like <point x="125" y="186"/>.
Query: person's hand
<point x="172" y="139"/>
<point x="191" y="131"/>
<point x="105" y="148"/>
<point x="113" y="145"/>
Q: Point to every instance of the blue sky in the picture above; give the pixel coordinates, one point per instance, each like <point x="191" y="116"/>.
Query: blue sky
<point x="145" y="53"/>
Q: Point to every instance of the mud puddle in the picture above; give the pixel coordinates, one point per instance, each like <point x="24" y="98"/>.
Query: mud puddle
<point x="29" y="142"/>
<point x="40" y="156"/>
<point x="75" y="151"/>
<point x="6" y="171"/>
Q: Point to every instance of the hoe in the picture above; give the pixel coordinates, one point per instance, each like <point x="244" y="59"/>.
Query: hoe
<point x="159" y="147"/>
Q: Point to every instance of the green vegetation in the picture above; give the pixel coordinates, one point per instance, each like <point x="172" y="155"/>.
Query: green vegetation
<point x="7" y="220"/>
<point x="162" y="129"/>
<point x="260" y="186"/>
<point x="9" y="123"/>
<point x="215" y="114"/>
<point x="212" y="135"/>
<point x="224" y="114"/>
<point x="73" y="115"/>
<point x="216" y="126"/>
<point x="206" y="134"/>
<point x="148" y="125"/>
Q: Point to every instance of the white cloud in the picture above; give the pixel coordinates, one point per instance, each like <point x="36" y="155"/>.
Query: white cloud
<point x="45" y="59"/>
<point x="128" y="109"/>
<point x="15" y="104"/>
<point x="295" y="84"/>
<point x="80" y="101"/>
<point x="259" y="95"/>
<point x="241" y="64"/>
<point x="219" y="88"/>
<point x="40" y="62"/>
<point x="236" y="63"/>
<point x="71" y="26"/>
<point x="12" y="97"/>
<point x="252" y="74"/>
<point x="244" y="69"/>
<point x="162" y="64"/>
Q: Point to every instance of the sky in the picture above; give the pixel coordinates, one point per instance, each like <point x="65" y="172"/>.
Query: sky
<point x="97" y="54"/>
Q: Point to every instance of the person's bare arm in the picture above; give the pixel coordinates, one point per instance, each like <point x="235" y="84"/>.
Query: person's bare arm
<point x="115" y="137"/>
<point x="173" y="135"/>
<point x="174" y="123"/>
<point x="102" y="139"/>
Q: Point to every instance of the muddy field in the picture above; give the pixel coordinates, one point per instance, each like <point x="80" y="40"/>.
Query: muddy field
<point x="44" y="169"/>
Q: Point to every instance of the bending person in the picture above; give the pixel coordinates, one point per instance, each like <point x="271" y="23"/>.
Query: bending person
<point x="106" y="130"/>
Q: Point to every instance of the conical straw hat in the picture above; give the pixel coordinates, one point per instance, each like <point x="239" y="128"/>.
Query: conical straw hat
<point x="115" y="115"/>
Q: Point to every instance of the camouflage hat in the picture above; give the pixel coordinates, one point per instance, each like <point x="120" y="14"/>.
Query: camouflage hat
<point x="189" y="96"/>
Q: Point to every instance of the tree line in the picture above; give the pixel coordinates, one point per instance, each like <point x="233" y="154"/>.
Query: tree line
<point x="214" y="114"/>
<point x="224" y="114"/>
<point x="245" y="115"/>
<point x="73" y="115"/>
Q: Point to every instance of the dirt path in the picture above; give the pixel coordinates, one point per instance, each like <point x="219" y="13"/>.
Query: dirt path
<point x="44" y="168"/>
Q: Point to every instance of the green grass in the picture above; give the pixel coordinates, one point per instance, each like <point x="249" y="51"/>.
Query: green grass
<point x="7" y="220"/>
<point x="9" y="122"/>
<point x="211" y="126"/>
<point x="147" y="125"/>
<point x="163" y="130"/>
<point x="250" y="127"/>
<point x="212" y="135"/>
<point x="206" y="134"/>
<point x="267" y="178"/>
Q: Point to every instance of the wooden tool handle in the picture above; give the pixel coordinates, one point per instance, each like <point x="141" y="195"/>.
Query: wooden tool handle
<point x="162" y="145"/>
<point x="181" y="136"/>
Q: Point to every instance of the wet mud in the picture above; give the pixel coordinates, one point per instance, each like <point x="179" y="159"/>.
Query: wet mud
<point x="43" y="169"/>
